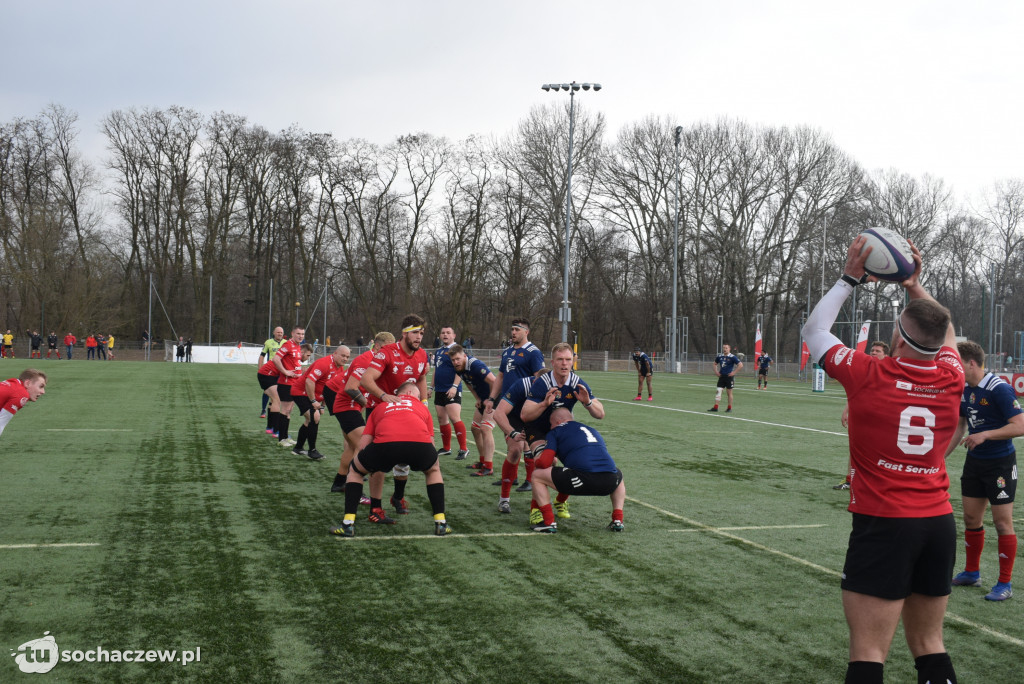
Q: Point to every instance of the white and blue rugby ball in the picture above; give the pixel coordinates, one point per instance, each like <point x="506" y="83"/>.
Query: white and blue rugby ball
<point x="891" y="258"/>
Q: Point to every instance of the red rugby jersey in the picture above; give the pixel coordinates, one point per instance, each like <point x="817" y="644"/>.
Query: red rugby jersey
<point x="406" y="420"/>
<point x="343" y="402"/>
<point x="396" y="366"/>
<point x="290" y="355"/>
<point x="903" y="414"/>
<point x="320" y="371"/>
<point x="269" y="369"/>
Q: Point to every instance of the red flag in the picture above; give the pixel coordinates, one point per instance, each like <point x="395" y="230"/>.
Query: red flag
<point x="862" y="338"/>
<point x="805" y="354"/>
<point x="757" y="342"/>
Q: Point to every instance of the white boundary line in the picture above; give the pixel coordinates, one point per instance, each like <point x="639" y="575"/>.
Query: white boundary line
<point x="788" y="394"/>
<point x="952" y="617"/>
<point x="454" y="535"/>
<point x="89" y="430"/>
<point x="750" y="527"/>
<point x="42" y="546"/>
<point x="731" y="417"/>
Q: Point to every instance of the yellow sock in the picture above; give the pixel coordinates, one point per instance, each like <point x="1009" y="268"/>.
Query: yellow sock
<point x="439" y="517"/>
<point x="350" y="517"/>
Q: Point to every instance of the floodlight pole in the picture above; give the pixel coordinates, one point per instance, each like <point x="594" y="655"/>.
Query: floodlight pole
<point x="572" y="88"/>
<point x="675" y="266"/>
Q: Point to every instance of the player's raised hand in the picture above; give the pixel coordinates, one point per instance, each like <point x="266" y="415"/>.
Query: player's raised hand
<point x="583" y="395"/>
<point x="551" y="396"/>
<point x="914" y="280"/>
<point x="856" y="257"/>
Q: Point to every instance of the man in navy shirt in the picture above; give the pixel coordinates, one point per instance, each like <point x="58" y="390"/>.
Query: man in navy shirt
<point x="517" y="440"/>
<point x="481" y="381"/>
<point x="588" y="470"/>
<point x="522" y="359"/>
<point x="992" y="417"/>
<point x="764" y="362"/>
<point x="561" y="388"/>
<point x="644" y="369"/>
<point x="447" y="390"/>
<point x="727" y="365"/>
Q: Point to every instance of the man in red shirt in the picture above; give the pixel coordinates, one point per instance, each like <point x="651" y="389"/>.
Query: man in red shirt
<point x="348" y="405"/>
<point x="69" y="342"/>
<point x="392" y="366"/>
<point x="267" y="377"/>
<point x="307" y="390"/>
<point x="904" y="410"/>
<point x="15" y="392"/>
<point x="399" y="432"/>
<point x="90" y="347"/>
<point x="288" y="361"/>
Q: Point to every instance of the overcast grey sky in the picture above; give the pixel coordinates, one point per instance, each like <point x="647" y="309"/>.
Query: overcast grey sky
<point x="921" y="86"/>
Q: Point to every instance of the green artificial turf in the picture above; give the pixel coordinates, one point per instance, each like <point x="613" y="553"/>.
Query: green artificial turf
<point x="209" y="535"/>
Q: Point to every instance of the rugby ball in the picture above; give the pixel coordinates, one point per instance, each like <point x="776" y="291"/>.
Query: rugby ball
<point x="891" y="258"/>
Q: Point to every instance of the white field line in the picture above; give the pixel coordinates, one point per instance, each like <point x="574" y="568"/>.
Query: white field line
<point x="731" y="417"/>
<point x="89" y="430"/>
<point x="42" y="546"/>
<point x="454" y="535"/>
<point x="789" y="394"/>
<point x="952" y="617"/>
<point x="750" y="527"/>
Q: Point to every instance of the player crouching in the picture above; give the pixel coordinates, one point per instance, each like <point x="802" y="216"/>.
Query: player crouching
<point x="588" y="470"/>
<point x="397" y="433"/>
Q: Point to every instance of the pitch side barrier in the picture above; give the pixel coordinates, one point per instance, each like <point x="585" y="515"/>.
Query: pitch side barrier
<point x="691" y="364"/>
<point x="234" y="352"/>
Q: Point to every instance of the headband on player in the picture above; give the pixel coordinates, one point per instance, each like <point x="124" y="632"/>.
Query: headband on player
<point x="413" y="328"/>
<point x="916" y="346"/>
<point x="521" y="326"/>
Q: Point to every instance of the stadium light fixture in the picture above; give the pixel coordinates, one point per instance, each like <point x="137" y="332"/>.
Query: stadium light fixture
<point x="564" y="313"/>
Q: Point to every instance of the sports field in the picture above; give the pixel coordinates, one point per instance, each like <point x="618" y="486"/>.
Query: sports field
<point x="192" y="529"/>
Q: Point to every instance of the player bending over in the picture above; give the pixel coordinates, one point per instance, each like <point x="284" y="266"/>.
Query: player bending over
<point x="587" y="470"/>
<point x="399" y="432"/>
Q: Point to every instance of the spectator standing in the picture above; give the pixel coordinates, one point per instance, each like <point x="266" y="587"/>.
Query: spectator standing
<point x="70" y="341"/>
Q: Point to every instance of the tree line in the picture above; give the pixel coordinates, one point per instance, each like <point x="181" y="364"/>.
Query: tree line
<point x="470" y="233"/>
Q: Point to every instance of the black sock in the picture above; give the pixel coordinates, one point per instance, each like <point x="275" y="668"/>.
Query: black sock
<point x="863" y="672"/>
<point x="282" y="426"/>
<point x="435" y="492"/>
<point x="339" y="480"/>
<point x="936" y="668"/>
<point x="375" y="503"/>
<point x="353" y="493"/>
<point x="311" y="433"/>
<point x="399" y="488"/>
<point x="270" y="419"/>
<point x="301" y="439"/>
<point x="266" y="400"/>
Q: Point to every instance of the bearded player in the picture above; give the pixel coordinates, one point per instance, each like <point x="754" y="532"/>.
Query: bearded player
<point x="481" y="382"/>
<point x="519" y="360"/>
<point x="389" y="369"/>
<point x="447" y="388"/>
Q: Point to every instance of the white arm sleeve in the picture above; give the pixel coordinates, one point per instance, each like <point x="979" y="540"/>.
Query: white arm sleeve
<point x="5" y="418"/>
<point x="817" y="331"/>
